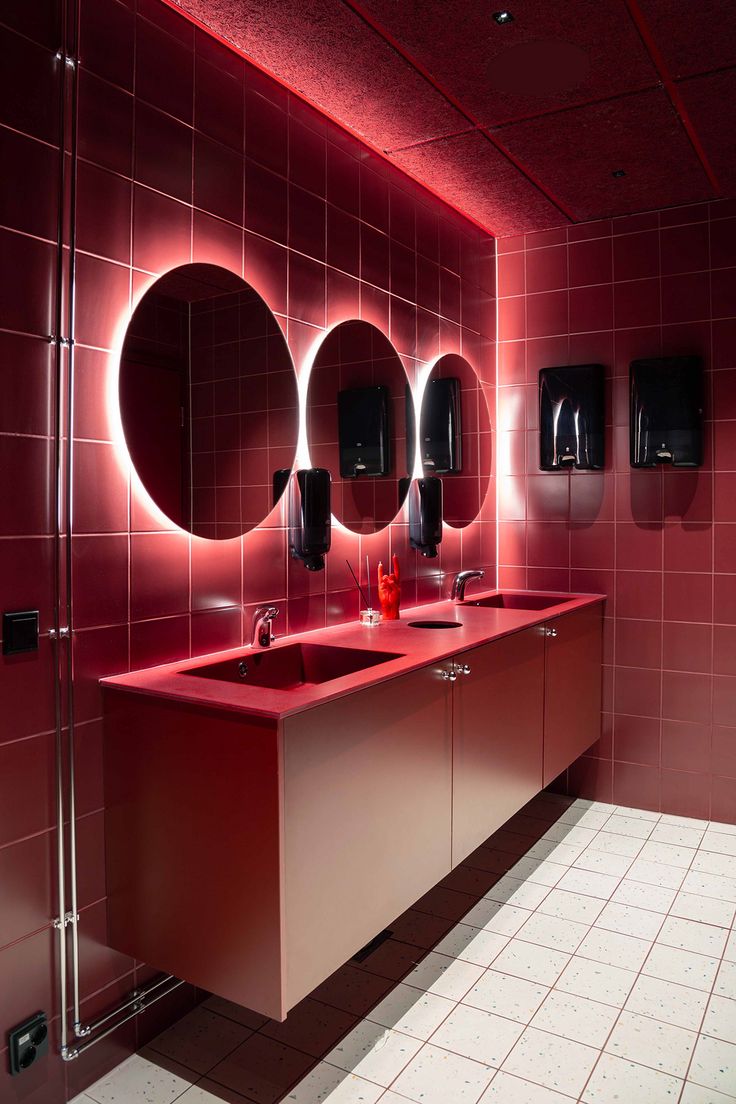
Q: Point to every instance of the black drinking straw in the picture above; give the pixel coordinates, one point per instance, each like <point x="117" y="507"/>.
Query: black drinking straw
<point x="362" y="593"/>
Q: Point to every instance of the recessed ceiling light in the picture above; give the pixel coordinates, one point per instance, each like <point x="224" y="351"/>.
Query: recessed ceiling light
<point x="618" y="172"/>
<point x="502" y="17"/>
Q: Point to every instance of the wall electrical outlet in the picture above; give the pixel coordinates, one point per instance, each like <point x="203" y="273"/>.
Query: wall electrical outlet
<point x="27" y="1043"/>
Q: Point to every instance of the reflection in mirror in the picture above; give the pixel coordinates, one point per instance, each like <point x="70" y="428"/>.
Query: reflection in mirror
<point x="208" y="401"/>
<point x="455" y="437"/>
<point x="357" y="424"/>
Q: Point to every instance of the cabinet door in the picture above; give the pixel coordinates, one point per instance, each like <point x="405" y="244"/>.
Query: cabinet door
<point x="367" y="811"/>
<point x="572" y="705"/>
<point x="497" y="735"/>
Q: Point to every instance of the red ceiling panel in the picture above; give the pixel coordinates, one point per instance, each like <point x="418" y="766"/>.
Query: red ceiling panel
<point x="471" y="173"/>
<point x="575" y="153"/>
<point x="711" y="104"/>
<point x="421" y="79"/>
<point x="324" y="51"/>
<point x="692" y="38"/>
<point x="551" y="56"/>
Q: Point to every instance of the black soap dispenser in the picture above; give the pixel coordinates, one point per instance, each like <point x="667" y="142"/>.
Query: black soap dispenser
<point x="666" y="412"/>
<point x="571" y="417"/>
<point x="425" y="515"/>
<point x="309" y="517"/>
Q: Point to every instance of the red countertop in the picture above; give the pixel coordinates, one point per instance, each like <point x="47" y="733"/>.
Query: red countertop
<point x="415" y="648"/>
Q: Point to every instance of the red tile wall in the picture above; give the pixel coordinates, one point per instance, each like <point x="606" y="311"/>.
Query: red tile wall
<point x="186" y="153"/>
<point x="661" y="544"/>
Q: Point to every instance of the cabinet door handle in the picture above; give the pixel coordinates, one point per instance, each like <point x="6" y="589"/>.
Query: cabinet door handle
<point x="550" y="632"/>
<point x="463" y="669"/>
<point x="449" y="676"/>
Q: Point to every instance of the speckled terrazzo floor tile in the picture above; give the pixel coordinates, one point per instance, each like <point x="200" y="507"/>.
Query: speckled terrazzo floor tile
<point x="725" y="984"/>
<point x="477" y="1034"/>
<point x="572" y="906"/>
<point x="682" y="967"/>
<point x="597" y="980"/>
<point x="472" y="944"/>
<point x="617" y="1081"/>
<point x="327" y="1085"/>
<point x="707" y="910"/>
<point x="138" y="1081"/>
<point x="697" y="1094"/>
<point x="554" y="932"/>
<point x="614" y="844"/>
<point x="496" y="916"/>
<point x="508" y="996"/>
<point x="514" y="891"/>
<point x="720" y="1019"/>
<point x="412" y="1011"/>
<point x="507" y="1089"/>
<point x="714" y="1065"/>
<point x="447" y="977"/>
<point x="614" y="948"/>
<point x="436" y="1076"/>
<point x="374" y="1052"/>
<point x="693" y="935"/>
<point x="576" y="1018"/>
<point x="666" y="1001"/>
<point x="200" y="1039"/>
<point x="652" y="1043"/>
<point x="638" y="922"/>
<point x="531" y="962"/>
<point x="549" y="1060"/>
<point x="312" y="1027"/>
<point x="655" y="898"/>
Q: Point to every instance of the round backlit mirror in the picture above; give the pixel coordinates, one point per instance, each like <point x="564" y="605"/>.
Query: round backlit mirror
<point x="356" y="419"/>
<point x="455" y="437"/>
<point x="208" y="401"/>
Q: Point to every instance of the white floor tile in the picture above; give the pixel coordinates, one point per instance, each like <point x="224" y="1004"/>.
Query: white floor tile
<point x="655" y="898"/>
<point x="514" y="891"/>
<point x="541" y="871"/>
<point x="436" y="1076"/>
<point x="678" y="834"/>
<point x="724" y="844"/>
<point x="684" y="822"/>
<point x="571" y="906"/>
<point x="570" y="834"/>
<point x="669" y="854"/>
<point x="710" y="862"/>
<point x="531" y="962"/>
<point x="730" y="951"/>
<point x="664" y="1000"/>
<point x="477" y="1034"/>
<point x="725" y="984"/>
<point x="720" y="1019"/>
<point x="411" y="1011"/>
<point x="497" y="916"/>
<point x="615" y="949"/>
<point x="638" y="814"/>
<point x="596" y="980"/>
<point x="682" y="967"/>
<point x="587" y="882"/>
<point x="627" y="920"/>
<point x="593" y="818"/>
<point x="655" y="874"/>
<point x="507" y="1089"/>
<point x="328" y="1085"/>
<point x="616" y="1081"/>
<point x="563" y="853"/>
<point x="576" y="1018"/>
<point x="472" y="944"/>
<point x="507" y="996"/>
<point x="603" y="862"/>
<point x="553" y="932"/>
<point x="613" y="844"/>
<point x="200" y="1039"/>
<point x="138" y="1081"/>
<point x="710" y="885"/>
<point x="693" y="935"/>
<point x="549" y="1060"/>
<point x="652" y="1043"/>
<point x="693" y="906"/>
<point x="629" y="826"/>
<point x="714" y="1065"/>
<point x="696" y="1094"/>
<point x="374" y="1052"/>
<point x="447" y="977"/>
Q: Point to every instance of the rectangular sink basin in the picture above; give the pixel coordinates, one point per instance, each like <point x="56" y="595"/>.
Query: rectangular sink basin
<point x="293" y="666"/>
<point x="521" y="601"/>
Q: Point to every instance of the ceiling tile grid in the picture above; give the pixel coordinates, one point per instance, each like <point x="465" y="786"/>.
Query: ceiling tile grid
<point x="565" y="113"/>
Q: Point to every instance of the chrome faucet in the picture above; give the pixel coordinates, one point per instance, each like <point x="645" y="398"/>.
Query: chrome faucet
<point x="460" y="581"/>
<point x="262" y="633"/>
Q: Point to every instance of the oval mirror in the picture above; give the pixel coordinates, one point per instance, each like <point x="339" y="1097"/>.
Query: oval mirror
<point x="356" y="424"/>
<point x="208" y="401"/>
<point x="455" y="437"/>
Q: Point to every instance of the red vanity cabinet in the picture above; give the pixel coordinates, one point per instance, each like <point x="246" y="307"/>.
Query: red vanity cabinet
<point x="498" y="710"/>
<point x="572" y="688"/>
<point x="253" y="859"/>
